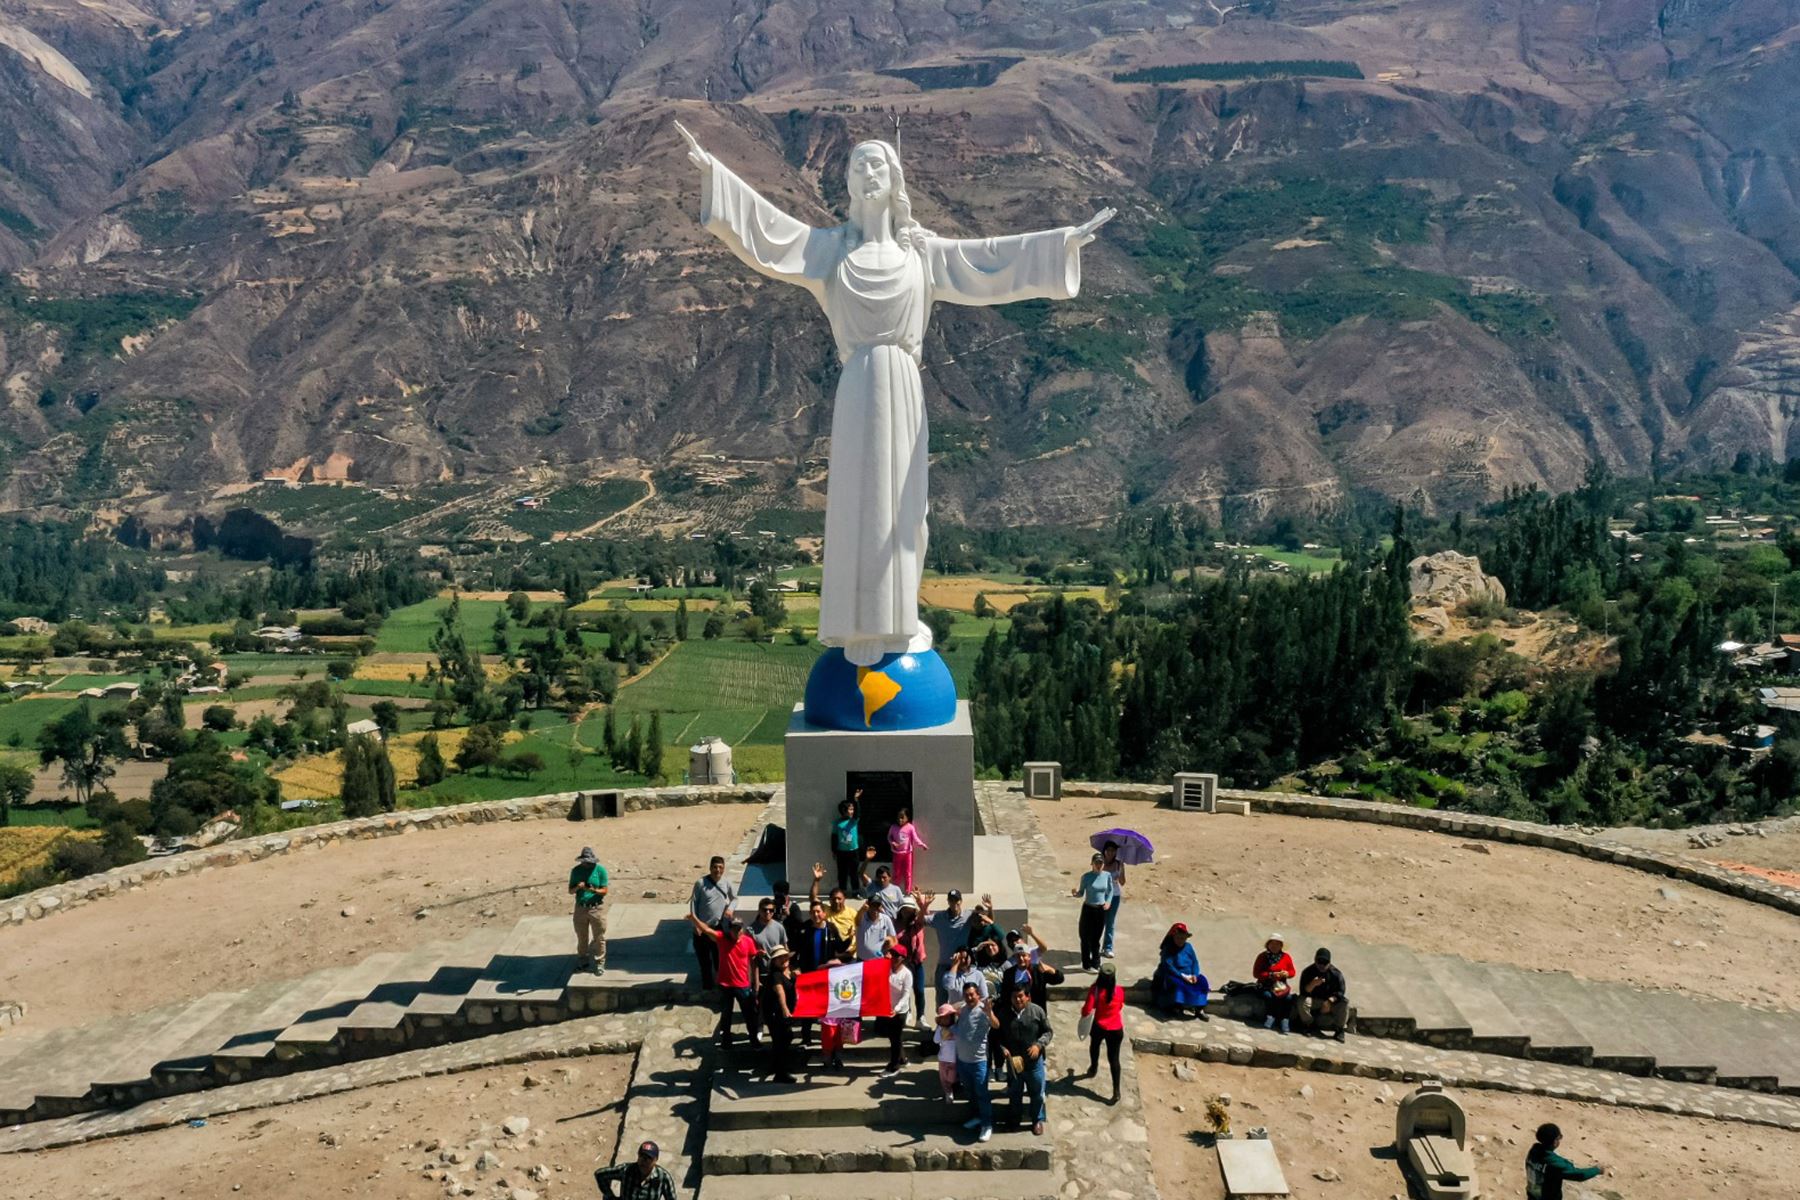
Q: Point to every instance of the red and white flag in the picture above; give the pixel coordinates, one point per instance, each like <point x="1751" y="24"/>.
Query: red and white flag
<point x="846" y="992"/>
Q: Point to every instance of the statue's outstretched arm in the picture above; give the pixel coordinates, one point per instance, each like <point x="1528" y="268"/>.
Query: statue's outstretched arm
<point x="1045" y="265"/>
<point x="767" y="240"/>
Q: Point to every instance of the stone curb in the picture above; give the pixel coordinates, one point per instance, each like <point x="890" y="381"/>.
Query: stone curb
<point x="61" y="897"/>
<point x="572" y="1039"/>
<point x="1561" y="838"/>
<point x="1408" y="1063"/>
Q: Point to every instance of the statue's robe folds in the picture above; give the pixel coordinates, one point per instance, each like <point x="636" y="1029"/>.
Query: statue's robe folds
<point x="876" y="501"/>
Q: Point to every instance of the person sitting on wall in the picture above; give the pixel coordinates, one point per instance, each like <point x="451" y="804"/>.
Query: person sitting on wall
<point x="1178" y="987"/>
<point x="1321" y="1006"/>
<point x="1274" y="971"/>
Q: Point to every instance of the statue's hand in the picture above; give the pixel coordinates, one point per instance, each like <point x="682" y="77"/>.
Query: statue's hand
<point x="696" y="155"/>
<point x="1084" y="232"/>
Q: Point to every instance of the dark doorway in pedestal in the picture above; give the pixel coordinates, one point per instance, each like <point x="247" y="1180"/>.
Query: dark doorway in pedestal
<point x="884" y="794"/>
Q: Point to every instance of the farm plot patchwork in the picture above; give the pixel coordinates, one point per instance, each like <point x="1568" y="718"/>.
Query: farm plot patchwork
<point x="408" y="630"/>
<point x="573" y="508"/>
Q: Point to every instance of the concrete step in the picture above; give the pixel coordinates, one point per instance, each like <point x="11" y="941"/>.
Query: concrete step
<point x="1436" y="1018"/>
<point x="1493" y="1028"/>
<point x="193" y="1058"/>
<point x="532" y="967"/>
<point x="448" y="989"/>
<point x="63" y="1061"/>
<point x="829" y="1151"/>
<point x="130" y="1064"/>
<point x="1694" y="1039"/>
<point x="911" y="1099"/>
<point x="243" y="1051"/>
<point x="888" y="1185"/>
<point x="318" y="1026"/>
<point x="1377" y="1007"/>
<point x="383" y="1008"/>
<point x="1619" y="1040"/>
<point x="1553" y="1037"/>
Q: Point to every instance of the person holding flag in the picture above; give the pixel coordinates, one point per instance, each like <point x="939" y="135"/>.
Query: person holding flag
<point x="844" y="995"/>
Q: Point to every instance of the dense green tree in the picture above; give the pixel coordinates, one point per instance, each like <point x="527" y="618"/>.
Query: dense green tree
<point x="431" y="762"/>
<point x="85" y="746"/>
<point x="653" y="749"/>
<point x="386" y="715"/>
<point x="481" y="748"/>
<point x="15" y="788"/>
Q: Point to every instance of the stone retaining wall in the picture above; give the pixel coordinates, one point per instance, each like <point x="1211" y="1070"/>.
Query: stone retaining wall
<point x="1563" y="838"/>
<point x="63" y="896"/>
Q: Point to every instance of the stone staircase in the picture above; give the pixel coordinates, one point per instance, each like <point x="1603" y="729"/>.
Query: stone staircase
<point x="1461" y="1004"/>
<point x="483" y="982"/>
<point x="854" y="1133"/>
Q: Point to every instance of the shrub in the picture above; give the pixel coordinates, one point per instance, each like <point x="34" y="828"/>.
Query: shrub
<point x="219" y="718"/>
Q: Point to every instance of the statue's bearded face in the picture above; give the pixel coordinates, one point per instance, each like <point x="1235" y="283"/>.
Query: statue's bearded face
<point x="871" y="180"/>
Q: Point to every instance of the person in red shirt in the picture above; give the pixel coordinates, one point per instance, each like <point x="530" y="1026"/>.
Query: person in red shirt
<point x="1106" y="1001"/>
<point x="736" y="949"/>
<point x="1275" y="976"/>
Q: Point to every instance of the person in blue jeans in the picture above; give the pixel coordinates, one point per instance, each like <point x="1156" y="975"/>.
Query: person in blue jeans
<point x="1026" y="1038"/>
<point x="974" y="1022"/>
<point x="1115" y="866"/>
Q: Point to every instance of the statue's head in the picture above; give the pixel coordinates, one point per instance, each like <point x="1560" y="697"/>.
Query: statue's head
<point x="874" y="180"/>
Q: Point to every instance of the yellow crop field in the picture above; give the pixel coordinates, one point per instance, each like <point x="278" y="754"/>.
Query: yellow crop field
<point x="399" y="672"/>
<point x="321" y="776"/>
<point x="23" y="847"/>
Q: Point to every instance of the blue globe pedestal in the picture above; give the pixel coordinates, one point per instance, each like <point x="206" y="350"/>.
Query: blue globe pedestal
<point x="902" y="691"/>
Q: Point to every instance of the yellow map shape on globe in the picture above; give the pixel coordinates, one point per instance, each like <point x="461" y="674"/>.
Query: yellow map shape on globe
<point x="877" y="689"/>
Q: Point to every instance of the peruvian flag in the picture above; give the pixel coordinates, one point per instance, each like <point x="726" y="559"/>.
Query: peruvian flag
<point x="845" y="992"/>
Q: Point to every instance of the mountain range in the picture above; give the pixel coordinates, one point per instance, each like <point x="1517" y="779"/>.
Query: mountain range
<point x="1419" y="249"/>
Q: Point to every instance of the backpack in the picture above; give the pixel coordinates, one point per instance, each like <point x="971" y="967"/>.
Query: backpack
<point x="1534" y="1179"/>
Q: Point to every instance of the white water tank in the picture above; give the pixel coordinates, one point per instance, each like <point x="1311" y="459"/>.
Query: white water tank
<point x="709" y="761"/>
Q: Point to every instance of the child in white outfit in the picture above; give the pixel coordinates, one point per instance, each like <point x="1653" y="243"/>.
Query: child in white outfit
<point x="946" y="1044"/>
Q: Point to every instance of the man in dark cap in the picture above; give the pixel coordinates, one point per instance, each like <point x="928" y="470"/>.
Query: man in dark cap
<point x="1322" y="1007"/>
<point x="640" y="1180"/>
<point x="587" y="883"/>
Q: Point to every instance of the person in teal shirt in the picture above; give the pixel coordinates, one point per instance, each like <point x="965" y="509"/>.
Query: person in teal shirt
<point x="846" y="846"/>
<point x="1546" y="1170"/>
<point x="587" y="883"/>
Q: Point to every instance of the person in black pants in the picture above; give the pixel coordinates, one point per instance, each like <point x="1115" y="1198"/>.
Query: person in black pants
<point x="1096" y="889"/>
<point x="900" y="996"/>
<point x="846" y="846"/>
<point x="778" y="1013"/>
<point x="816" y="948"/>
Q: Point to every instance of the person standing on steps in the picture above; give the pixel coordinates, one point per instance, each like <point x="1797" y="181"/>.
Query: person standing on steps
<point x="1274" y="972"/>
<point x="640" y="1180"/>
<point x="1546" y="1171"/>
<point x="945" y="1039"/>
<point x="900" y="984"/>
<point x="886" y="891"/>
<point x="710" y="905"/>
<point x="1026" y="1040"/>
<point x="952" y="929"/>
<point x="838" y="913"/>
<point x="985" y="944"/>
<point x="846" y="845"/>
<point x="1321" y="1006"/>
<point x="817" y="948"/>
<point x="1096" y="890"/>
<point x="1105" y="1003"/>
<point x="903" y="840"/>
<point x="974" y="1022"/>
<point x="874" y="931"/>
<point x="587" y="883"/>
<point x="909" y="935"/>
<point x="735" y="950"/>
<point x="768" y="934"/>
<point x="962" y="970"/>
<point x="777" y="1005"/>
<point x="1115" y="866"/>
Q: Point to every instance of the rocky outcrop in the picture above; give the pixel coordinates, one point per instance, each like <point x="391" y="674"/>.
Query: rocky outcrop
<point x="1449" y="580"/>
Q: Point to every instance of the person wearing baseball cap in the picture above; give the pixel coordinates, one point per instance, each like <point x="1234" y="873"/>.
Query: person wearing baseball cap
<point x="644" y="1179"/>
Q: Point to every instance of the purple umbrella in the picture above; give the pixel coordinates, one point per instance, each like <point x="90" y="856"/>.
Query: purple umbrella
<point x="1134" y="847"/>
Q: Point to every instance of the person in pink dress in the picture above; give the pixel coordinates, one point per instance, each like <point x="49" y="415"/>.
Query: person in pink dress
<point x="903" y="839"/>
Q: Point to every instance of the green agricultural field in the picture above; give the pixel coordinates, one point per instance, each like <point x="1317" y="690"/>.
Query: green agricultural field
<point x="76" y="683"/>
<point x="388" y="687"/>
<point x="573" y="508"/>
<point x="698" y="675"/>
<point x="1305" y="561"/>
<point x="408" y="630"/>
<point x="21" y="719"/>
<point x="189" y="633"/>
<point x="328" y="508"/>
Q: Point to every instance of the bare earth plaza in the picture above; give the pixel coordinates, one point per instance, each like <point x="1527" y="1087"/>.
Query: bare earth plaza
<point x="951" y="601"/>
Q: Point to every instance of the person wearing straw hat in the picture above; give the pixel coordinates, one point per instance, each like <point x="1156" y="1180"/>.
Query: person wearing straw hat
<point x="587" y="884"/>
<point x="1274" y="971"/>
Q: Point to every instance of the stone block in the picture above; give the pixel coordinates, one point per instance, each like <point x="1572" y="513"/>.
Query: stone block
<point x="1239" y="808"/>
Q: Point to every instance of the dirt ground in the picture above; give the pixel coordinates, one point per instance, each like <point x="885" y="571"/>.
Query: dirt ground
<point x="132" y="779"/>
<point x="384" y="1141"/>
<point x="1344" y="1125"/>
<point x="1482" y="900"/>
<point x="1777" y="849"/>
<point x="230" y="927"/>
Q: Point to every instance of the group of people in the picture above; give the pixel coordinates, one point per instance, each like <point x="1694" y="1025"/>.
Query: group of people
<point x="1316" y="998"/>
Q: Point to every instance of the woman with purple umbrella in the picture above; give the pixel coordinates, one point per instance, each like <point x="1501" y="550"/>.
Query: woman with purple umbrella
<point x="1117" y="848"/>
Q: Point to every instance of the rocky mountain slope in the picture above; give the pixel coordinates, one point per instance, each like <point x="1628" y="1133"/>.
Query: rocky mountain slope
<point x="408" y="240"/>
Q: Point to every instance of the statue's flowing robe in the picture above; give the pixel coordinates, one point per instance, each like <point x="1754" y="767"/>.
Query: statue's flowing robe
<point x="875" y="501"/>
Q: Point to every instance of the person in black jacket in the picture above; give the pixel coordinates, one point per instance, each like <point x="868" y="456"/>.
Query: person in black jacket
<point x="1546" y="1171"/>
<point x="818" y="946"/>
<point x="1322" y="1006"/>
<point x="1025" y="1039"/>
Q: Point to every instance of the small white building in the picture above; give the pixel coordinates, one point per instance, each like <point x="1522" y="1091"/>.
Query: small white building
<point x="364" y="728"/>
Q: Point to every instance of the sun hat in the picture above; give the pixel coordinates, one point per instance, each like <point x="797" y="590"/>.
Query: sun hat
<point x="1276" y="937"/>
<point x="586" y="855"/>
<point x="1108" y="968"/>
<point x="780" y="952"/>
<point x="946" y="1010"/>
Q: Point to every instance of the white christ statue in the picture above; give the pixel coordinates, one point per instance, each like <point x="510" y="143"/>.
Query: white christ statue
<point x="877" y="276"/>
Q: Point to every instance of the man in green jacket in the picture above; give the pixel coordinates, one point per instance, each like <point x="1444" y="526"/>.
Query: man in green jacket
<point x="587" y="883"/>
<point x="1546" y="1170"/>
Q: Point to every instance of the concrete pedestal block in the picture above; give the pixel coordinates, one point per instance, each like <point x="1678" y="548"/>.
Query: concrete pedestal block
<point x="930" y="770"/>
